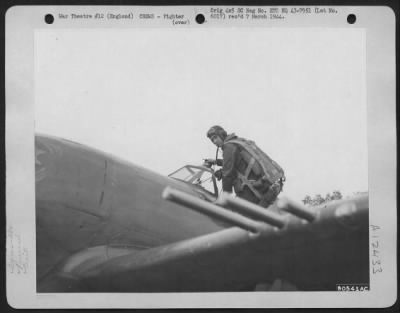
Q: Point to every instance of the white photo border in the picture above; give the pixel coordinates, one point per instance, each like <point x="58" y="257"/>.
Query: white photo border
<point x="21" y="24"/>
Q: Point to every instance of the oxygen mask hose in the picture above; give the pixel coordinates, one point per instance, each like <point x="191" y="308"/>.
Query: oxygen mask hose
<point x="216" y="155"/>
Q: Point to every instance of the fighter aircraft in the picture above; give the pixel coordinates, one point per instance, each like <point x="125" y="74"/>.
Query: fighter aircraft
<point x="106" y="225"/>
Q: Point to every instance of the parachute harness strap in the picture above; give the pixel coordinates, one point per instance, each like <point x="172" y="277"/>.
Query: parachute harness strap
<point x="250" y="184"/>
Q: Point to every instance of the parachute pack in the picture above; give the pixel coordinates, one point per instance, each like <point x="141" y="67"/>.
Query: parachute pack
<point x="260" y="164"/>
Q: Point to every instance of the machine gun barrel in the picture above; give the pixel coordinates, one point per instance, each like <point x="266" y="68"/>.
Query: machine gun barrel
<point x="212" y="210"/>
<point x="297" y="209"/>
<point x="252" y="210"/>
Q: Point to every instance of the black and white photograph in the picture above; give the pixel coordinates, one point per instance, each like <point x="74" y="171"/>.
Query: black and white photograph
<point x="212" y="152"/>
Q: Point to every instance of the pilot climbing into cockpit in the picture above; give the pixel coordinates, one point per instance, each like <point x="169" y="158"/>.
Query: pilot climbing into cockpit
<point x="246" y="169"/>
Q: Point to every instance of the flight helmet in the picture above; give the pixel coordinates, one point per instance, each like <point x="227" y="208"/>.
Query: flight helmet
<point x="217" y="130"/>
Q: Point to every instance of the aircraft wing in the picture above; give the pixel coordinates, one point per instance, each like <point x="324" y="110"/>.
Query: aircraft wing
<point x="309" y="250"/>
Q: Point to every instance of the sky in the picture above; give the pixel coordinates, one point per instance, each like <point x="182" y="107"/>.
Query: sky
<point x="149" y="96"/>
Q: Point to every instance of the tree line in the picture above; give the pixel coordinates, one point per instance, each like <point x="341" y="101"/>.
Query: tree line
<point x="318" y="199"/>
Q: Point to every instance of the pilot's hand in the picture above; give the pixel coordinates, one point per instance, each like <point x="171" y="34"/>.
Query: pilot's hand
<point x="210" y="161"/>
<point x="218" y="174"/>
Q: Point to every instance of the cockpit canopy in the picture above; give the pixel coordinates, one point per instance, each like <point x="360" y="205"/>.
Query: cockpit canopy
<point x="199" y="176"/>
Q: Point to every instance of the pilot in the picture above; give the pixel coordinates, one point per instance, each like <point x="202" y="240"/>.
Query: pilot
<point x="246" y="169"/>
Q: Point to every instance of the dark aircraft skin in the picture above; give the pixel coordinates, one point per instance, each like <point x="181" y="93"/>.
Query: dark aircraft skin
<point x="106" y="225"/>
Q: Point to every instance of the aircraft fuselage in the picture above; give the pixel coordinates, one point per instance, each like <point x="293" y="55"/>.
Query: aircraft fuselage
<point x="85" y="198"/>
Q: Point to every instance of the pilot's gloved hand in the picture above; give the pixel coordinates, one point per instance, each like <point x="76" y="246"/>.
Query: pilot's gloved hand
<point x="208" y="162"/>
<point x="218" y="174"/>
